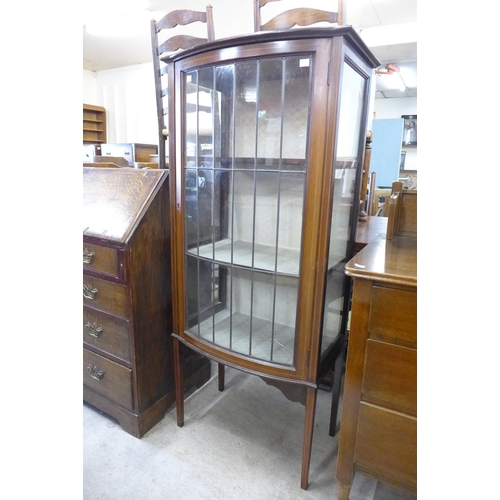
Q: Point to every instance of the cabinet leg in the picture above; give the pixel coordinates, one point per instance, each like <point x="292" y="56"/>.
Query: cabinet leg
<point x="221" y="376"/>
<point x="179" y="383"/>
<point x="308" y="435"/>
<point x="336" y="387"/>
<point x="343" y="491"/>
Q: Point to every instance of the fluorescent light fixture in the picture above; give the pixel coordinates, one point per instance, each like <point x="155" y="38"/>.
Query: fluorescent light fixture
<point x="99" y="10"/>
<point x="125" y="25"/>
<point x="400" y="82"/>
<point x="409" y="77"/>
<point x="389" y="35"/>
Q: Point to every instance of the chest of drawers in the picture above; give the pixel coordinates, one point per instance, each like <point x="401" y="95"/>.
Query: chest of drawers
<point x="378" y="430"/>
<point x="127" y="325"/>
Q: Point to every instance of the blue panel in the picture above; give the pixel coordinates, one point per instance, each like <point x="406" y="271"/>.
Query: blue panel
<point x="386" y="150"/>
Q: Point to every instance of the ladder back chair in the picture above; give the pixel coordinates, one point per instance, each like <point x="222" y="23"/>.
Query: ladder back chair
<point x="297" y="16"/>
<point x="180" y="17"/>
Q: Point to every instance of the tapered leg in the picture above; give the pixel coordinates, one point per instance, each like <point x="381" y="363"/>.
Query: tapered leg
<point x="336" y="386"/>
<point x="221" y="377"/>
<point x="179" y="383"/>
<point x="308" y="435"/>
<point x="343" y="491"/>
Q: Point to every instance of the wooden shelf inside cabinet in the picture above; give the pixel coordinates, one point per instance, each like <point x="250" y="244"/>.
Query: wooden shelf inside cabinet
<point x="94" y="124"/>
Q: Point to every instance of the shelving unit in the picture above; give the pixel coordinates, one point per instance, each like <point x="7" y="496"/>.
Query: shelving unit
<point x="94" y="124"/>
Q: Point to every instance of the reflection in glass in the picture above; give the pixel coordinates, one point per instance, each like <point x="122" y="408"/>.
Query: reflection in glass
<point x="345" y="173"/>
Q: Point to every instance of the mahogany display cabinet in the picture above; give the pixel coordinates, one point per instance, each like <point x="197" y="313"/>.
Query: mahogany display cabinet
<point x="267" y="134"/>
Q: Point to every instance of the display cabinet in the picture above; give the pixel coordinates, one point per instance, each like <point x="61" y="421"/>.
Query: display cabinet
<point x="266" y="136"/>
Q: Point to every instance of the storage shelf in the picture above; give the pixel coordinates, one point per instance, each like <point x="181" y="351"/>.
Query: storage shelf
<point x="94" y="115"/>
<point x="264" y="256"/>
<point x="234" y="334"/>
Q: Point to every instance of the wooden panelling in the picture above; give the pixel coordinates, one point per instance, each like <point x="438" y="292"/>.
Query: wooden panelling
<point x="106" y="333"/>
<point x="387" y="445"/>
<point x="102" y="259"/>
<point x="116" y="381"/>
<point x="390" y="376"/>
<point x="393" y="313"/>
<point x="107" y="296"/>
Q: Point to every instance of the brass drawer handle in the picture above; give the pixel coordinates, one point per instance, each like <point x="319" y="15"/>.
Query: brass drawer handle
<point x="95" y="373"/>
<point x="89" y="292"/>
<point x="87" y="256"/>
<point x="93" y="329"/>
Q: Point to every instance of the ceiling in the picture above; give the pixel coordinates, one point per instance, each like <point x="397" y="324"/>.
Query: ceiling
<point x="116" y="32"/>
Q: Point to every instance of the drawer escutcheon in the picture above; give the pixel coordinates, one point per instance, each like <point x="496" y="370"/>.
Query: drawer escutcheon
<point x="89" y="292"/>
<point x="87" y="256"/>
<point x="95" y="372"/>
<point x="93" y="329"/>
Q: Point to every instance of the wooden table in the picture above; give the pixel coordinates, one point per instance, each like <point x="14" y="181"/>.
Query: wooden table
<point x="368" y="230"/>
<point x="378" y="429"/>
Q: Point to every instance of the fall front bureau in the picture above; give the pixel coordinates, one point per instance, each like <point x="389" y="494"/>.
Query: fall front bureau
<point x="127" y="298"/>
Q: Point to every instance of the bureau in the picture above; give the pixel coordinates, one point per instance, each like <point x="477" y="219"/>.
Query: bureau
<point x="127" y="298"/>
<point x="378" y="428"/>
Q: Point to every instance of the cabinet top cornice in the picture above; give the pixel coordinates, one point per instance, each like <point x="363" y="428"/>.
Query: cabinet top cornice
<point x="348" y="32"/>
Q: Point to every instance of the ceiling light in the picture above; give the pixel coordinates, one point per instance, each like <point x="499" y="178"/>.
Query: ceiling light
<point x="126" y="25"/>
<point x="409" y="77"/>
<point x="99" y="10"/>
<point x="389" y="35"/>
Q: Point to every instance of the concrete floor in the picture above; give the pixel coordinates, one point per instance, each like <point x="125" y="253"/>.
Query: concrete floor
<point x="243" y="443"/>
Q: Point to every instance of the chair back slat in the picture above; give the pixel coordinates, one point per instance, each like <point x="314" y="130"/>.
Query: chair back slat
<point x="301" y="16"/>
<point x="179" y="17"/>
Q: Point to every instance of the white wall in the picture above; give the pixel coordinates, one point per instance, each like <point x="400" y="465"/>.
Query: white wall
<point x="129" y="98"/>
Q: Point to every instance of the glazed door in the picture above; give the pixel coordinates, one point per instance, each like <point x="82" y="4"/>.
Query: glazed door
<point x="245" y="172"/>
<point x="347" y="162"/>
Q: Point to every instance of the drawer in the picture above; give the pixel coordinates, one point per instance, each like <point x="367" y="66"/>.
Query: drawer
<point x="102" y="259"/>
<point x="108" y="378"/>
<point x="393" y="314"/>
<point x="107" y="334"/>
<point x="105" y="296"/>
<point x="390" y="376"/>
<point x="386" y="445"/>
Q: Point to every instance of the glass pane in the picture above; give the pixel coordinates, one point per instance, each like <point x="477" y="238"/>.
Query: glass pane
<point x="287" y="293"/>
<point x="269" y="103"/>
<point x="241" y="310"/>
<point x="191" y="208"/>
<point x="206" y="115"/>
<point x="243" y="218"/>
<point x="345" y="173"/>
<point x="291" y="206"/>
<point x="296" y="109"/>
<point x="224" y="113"/>
<point x="223" y="215"/>
<point x="245" y="113"/>
<point x="266" y="220"/>
<point x="191" y="118"/>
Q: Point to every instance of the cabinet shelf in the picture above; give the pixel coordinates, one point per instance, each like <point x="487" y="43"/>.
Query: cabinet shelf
<point x="264" y="256"/>
<point x="267" y="342"/>
<point x="94" y="124"/>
